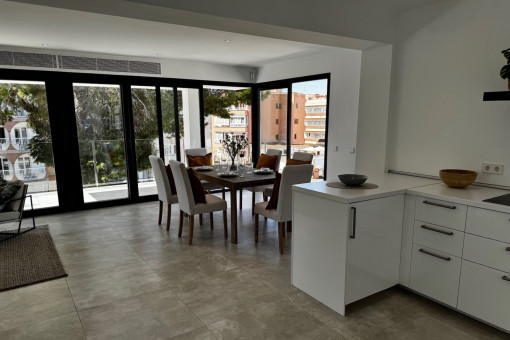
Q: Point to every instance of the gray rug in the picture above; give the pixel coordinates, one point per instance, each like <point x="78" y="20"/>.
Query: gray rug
<point x="29" y="258"/>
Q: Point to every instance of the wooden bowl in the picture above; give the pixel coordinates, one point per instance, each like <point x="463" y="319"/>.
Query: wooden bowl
<point x="457" y="178"/>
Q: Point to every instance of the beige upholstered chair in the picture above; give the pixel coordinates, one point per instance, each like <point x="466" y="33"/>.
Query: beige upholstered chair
<point x="13" y="212"/>
<point x="207" y="186"/>
<point x="297" y="156"/>
<point x="165" y="194"/>
<point x="187" y="203"/>
<point x="260" y="188"/>
<point x="291" y="175"/>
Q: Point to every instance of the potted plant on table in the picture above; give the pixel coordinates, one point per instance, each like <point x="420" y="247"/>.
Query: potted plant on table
<point x="232" y="145"/>
<point x="505" y="70"/>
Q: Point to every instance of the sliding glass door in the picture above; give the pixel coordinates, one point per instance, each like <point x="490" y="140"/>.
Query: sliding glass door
<point x="273" y="122"/>
<point x="26" y="151"/>
<point x="308" y="123"/>
<point x="146" y="132"/>
<point x="100" y="129"/>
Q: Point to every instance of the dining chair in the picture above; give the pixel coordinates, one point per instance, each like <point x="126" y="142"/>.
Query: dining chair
<point x="207" y="186"/>
<point x="165" y="194"/>
<point x="297" y="156"/>
<point x="187" y="203"/>
<point x="260" y="188"/>
<point x="291" y="175"/>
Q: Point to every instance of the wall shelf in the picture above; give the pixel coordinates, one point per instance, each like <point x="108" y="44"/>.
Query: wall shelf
<point x="493" y="96"/>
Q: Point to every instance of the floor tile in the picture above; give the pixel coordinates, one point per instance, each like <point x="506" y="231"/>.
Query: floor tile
<point x="92" y="259"/>
<point x="107" y="285"/>
<point x="34" y="303"/>
<point x="59" y="328"/>
<point x="155" y="315"/>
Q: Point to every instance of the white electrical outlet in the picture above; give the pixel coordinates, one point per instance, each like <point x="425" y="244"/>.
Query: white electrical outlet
<point x="492" y="168"/>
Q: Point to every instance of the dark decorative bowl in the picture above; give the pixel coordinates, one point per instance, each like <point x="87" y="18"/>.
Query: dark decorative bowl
<point x="352" y="180"/>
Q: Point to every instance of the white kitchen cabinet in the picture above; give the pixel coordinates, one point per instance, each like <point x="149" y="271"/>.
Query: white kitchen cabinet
<point x="373" y="247"/>
<point x="435" y="274"/>
<point x="487" y="252"/>
<point x="444" y="213"/>
<point x="438" y="238"/>
<point x="487" y="223"/>
<point x="485" y="293"/>
<point x="344" y="252"/>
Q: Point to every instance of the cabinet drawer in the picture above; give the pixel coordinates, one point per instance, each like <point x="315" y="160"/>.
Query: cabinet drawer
<point x="487" y="252"/>
<point x="444" y="213"/>
<point x="438" y="238"/>
<point x="484" y="294"/>
<point x="488" y="223"/>
<point x="435" y="277"/>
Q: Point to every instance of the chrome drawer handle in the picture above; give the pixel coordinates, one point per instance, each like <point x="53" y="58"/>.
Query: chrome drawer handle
<point x="440" y="205"/>
<point x="353" y="235"/>
<point x="435" y="255"/>
<point x="506" y="278"/>
<point x="437" y="230"/>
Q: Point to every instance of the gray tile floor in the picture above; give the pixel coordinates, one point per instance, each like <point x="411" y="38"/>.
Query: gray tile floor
<point x="130" y="279"/>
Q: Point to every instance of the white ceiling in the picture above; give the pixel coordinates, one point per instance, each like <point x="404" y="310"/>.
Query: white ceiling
<point x="30" y="26"/>
<point x="25" y="25"/>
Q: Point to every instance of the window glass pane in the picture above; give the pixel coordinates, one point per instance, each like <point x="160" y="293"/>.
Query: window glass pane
<point x="168" y="112"/>
<point x="145" y="122"/>
<point x="26" y="152"/>
<point x="309" y="114"/>
<point x="273" y="122"/>
<point x="189" y="110"/>
<point x="227" y="110"/>
<point x="101" y="141"/>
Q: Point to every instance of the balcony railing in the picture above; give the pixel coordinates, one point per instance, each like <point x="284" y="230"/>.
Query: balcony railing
<point x="20" y="143"/>
<point x="4" y="141"/>
<point x="30" y="173"/>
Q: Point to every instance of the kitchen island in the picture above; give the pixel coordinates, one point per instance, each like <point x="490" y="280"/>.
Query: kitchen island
<point x="351" y="243"/>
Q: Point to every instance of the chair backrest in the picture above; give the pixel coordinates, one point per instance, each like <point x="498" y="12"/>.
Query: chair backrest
<point x="302" y="156"/>
<point x="291" y="175"/>
<point x="194" y="152"/>
<point x="17" y="202"/>
<point x="162" y="182"/>
<point x="183" y="186"/>
<point x="275" y="152"/>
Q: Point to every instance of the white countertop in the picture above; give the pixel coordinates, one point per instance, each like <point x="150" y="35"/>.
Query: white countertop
<point x="389" y="184"/>
<point x="393" y="184"/>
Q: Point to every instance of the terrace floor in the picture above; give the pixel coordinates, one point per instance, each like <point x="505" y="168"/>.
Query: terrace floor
<point x="130" y="279"/>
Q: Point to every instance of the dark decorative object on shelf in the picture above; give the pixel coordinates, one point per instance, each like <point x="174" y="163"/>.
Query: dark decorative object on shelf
<point x="505" y="70"/>
<point x="352" y="180"/>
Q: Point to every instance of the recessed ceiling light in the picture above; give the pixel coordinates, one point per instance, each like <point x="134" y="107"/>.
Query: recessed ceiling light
<point x="227" y="40"/>
<point x="158" y="54"/>
<point x="45" y="45"/>
<point x="245" y="61"/>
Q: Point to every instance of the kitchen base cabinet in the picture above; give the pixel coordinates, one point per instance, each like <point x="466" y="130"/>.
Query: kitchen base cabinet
<point x="344" y="252"/>
<point x="485" y="293"/>
<point x="435" y="274"/>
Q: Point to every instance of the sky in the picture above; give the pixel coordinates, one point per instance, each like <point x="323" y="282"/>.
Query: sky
<point x="311" y="87"/>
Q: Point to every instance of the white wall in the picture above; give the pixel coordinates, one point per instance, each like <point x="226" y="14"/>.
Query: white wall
<point x="170" y="68"/>
<point x="373" y="110"/>
<point x="447" y="55"/>
<point x="344" y="67"/>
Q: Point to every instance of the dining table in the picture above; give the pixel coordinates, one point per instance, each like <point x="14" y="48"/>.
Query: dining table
<point x="235" y="183"/>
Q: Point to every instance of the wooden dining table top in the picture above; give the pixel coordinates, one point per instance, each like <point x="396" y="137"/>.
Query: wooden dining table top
<point x="237" y="182"/>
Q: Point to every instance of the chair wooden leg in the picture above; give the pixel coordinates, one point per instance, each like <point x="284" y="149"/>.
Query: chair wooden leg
<point x="283" y="230"/>
<point x="191" y="224"/>
<point x="223" y="193"/>
<point x="160" y="212"/>
<point x="211" y="220"/>
<point x="264" y="198"/>
<point x="256" y="228"/>
<point x="241" y="199"/>
<point x="168" y="217"/>
<point x="181" y="217"/>
<point x="281" y="225"/>
<point x="225" y="226"/>
<point x="289" y="226"/>
<point x="253" y="203"/>
<point x="200" y="219"/>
